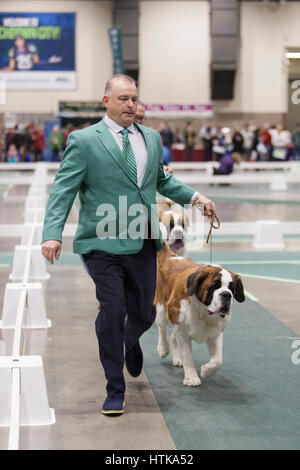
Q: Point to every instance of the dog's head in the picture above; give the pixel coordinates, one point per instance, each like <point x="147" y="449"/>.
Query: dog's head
<point x="216" y="287"/>
<point x="174" y="224"/>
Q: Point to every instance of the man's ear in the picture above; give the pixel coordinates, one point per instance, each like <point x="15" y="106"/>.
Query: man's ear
<point x="195" y="280"/>
<point x="239" y="289"/>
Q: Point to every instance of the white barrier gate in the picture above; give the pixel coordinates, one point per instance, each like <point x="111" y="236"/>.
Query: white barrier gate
<point x="23" y="390"/>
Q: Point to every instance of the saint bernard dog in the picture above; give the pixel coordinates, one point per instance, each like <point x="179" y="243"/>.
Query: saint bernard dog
<point x="173" y="224"/>
<point x="197" y="300"/>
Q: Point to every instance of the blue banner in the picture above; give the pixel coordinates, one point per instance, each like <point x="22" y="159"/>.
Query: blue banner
<point x="115" y="38"/>
<point x="33" y="43"/>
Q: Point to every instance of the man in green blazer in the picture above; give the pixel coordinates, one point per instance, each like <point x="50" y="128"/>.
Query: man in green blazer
<point x="116" y="167"/>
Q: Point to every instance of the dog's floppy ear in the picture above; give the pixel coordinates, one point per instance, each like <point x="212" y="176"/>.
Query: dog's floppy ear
<point x="194" y="281"/>
<point x="239" y="289"/>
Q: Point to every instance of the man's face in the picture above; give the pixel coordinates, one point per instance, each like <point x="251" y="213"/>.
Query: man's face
<point x="121" y="104"/>
<point x="140" y="114"/>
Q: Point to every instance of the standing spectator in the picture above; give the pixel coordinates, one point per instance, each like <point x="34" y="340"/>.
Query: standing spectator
<point x="38" y="143"/>
<point x="248" y="136"/>
<point x="24" y="154"/>
<point x="7" y="141"/>
<point x="206" y="133"/>
<point x="219" y="146"/>
<point x="189" y="139"/>
<point x="140" y="113"/>
<point x="238" y="141"/>
<point x="296" y="143"/>
<point x="281" y="140"/>
<point x="266" y="139"/>
<point x="167" y="139"/>
<point x="178" y="137"/>
<point x="166" y="134"/>
<point x="56" y="140"/>
<point x="18" y="137"/>
<point x="69" y="129"/>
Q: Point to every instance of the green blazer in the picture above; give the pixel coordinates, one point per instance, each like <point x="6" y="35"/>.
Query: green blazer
<point x="94" y="166"/>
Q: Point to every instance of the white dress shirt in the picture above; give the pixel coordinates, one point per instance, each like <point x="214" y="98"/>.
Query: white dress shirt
<point x="137" y="142"/>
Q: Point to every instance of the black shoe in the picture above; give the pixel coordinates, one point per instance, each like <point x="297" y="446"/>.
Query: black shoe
<point x="134" y="360"/>
<point x="113" y="406"/>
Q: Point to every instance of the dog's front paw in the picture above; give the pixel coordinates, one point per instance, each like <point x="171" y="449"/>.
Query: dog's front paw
<point x="208" y="369"/>
<point x="177" y="362"/>
<point x="192" y="380"/>
<point x="163" y="350"/>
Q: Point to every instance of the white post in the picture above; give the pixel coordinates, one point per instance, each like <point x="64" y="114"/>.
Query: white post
<point x="268" y="235"/>
<point x="35" y="409"/>
<point x="36" y="310"/>
<point x="38" y="270"/>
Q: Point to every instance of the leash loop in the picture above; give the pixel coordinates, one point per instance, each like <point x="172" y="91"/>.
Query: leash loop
<point x="213" y="218"/>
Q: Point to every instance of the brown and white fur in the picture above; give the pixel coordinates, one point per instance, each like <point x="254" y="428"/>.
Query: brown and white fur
<point x="197" y="300"/>
<point x="173" y="224"/>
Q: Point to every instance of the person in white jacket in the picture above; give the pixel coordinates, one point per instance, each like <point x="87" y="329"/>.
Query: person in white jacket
<point x="281" y="139"/>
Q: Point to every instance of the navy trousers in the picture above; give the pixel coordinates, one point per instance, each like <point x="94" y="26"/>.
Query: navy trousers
<point x="125" y="288"/>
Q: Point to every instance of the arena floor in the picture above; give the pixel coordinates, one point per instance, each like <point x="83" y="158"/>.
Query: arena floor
<point x="253" y="402"/>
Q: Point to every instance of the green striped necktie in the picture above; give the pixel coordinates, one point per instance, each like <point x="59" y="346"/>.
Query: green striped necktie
<point x="128" y="152"/>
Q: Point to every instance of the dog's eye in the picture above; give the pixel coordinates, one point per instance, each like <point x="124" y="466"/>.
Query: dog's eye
<point x="217" y="284"/>
<point x="171" y="225"/>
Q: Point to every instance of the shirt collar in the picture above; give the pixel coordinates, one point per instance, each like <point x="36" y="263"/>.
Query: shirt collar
<point x="116" y="127"/>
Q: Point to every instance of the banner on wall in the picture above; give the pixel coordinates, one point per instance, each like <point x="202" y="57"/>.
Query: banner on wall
<point x="179" y="110"/>
<point x="37" y="51"/>
<point x="115" y="39"/>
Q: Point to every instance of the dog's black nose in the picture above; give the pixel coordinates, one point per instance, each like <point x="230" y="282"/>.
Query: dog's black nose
<point x="226" y="295"/>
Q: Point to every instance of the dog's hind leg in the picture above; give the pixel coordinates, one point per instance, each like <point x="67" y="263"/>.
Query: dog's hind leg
<point x="175" y="349"/>
<point x="162" y="324"/>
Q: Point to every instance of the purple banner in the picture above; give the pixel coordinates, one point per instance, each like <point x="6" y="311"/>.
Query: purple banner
<point x="179" y="107"/>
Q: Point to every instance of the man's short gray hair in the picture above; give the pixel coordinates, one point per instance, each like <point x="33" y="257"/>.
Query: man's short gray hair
<point x="109" y="84"/>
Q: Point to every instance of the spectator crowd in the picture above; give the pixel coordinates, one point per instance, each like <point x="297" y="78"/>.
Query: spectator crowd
<point x="249" y="143"/>
<point x="28" y="143"/>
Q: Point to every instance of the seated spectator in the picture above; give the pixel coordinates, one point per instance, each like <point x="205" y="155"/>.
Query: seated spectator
<point x="227" y="163"/>
<point x="13" y="156"/>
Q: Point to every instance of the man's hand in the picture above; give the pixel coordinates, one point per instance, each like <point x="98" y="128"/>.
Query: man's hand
<point x="169" y="169"/>
<point x="209" y="206"/>
<point x="51" y="248"/>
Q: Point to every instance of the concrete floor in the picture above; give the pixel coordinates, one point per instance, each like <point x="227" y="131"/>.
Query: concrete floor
<point x="75" y="380"/>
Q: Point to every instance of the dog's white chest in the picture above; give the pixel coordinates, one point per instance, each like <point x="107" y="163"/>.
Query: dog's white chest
<point x="192" y="320"/>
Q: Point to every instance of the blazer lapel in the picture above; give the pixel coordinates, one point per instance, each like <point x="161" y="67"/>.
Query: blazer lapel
<point x="105" y="137"/>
